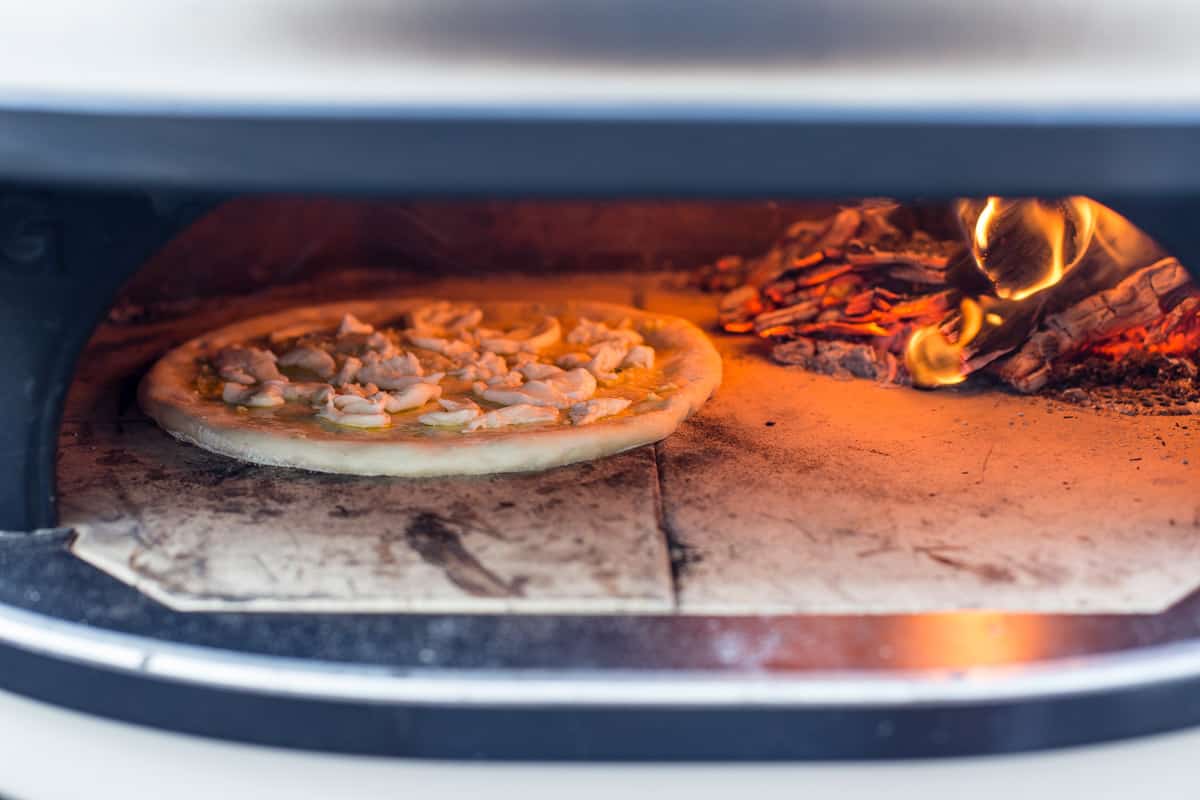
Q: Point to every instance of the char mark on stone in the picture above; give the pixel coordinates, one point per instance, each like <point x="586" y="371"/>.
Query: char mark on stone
<point x="441" y="546"/>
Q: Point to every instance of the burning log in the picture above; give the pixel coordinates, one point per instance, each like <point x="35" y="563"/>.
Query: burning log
<point x="862" y="292"/>
<point x="1136" y="301"/>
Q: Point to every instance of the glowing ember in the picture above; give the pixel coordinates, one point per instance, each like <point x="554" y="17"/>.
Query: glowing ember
<point x="1013" y="286"/>
<point x="933" y="359"/>
<point x="1025" y="246"/>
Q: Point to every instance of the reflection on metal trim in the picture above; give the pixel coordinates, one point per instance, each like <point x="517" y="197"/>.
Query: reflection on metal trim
<point x="330" y="681"/>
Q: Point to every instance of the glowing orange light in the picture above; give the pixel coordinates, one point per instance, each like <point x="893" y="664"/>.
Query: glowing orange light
<point x="933" y="359"/>
<point x="981" y="225"/>
<point x="1055" y="234"/>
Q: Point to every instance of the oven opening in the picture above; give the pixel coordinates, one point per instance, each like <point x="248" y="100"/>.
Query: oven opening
<point x="975" y="404"/>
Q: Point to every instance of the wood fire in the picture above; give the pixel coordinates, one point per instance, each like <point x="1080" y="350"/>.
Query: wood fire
<point x="1021" y="291"/>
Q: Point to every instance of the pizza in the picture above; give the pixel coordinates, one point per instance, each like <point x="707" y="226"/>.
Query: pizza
<point x="423" y="387"/>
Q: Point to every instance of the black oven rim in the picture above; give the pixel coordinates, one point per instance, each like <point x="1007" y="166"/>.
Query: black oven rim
<point x="821" y="716"/>
<point x="604" y="151"/>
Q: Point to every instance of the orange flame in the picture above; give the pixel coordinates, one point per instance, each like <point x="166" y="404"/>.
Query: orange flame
<point x="1053" y="234"/>
<point x="1024" y="246"/>
<point x="933" y="359"/>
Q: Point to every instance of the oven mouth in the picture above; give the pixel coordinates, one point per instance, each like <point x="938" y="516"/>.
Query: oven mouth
<point x="943" y="481"/>
<point x="959" y="542"/>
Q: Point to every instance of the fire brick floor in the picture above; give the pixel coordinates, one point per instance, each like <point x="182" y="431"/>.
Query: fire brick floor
<point x="787" y="493"/>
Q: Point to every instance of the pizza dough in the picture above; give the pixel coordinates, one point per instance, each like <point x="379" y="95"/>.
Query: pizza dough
<point x="420" y="387"/>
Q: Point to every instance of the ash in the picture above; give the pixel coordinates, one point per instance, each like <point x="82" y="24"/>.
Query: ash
<point x="1138" y="383"/>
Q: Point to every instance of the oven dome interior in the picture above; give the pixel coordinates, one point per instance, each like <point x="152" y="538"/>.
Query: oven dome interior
<point x="867" y="497"/>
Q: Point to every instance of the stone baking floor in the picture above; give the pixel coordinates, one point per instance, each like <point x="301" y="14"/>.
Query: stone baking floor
<point x="788" y="493"/>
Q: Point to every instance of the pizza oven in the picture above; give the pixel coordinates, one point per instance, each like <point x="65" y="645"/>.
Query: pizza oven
<point x="943" y="502"/>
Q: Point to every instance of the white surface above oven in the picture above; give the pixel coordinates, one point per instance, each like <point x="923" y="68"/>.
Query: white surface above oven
<point x="50" y="753"/>
<point x="935" y="56"/>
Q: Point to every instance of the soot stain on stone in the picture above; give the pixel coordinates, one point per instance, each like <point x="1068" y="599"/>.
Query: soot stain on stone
<point x="988" y="573"/>
<point x="117" y="457"/>
<point x="223" y="472"/>
<point x="439" y="545"/>
<point x="339" y="511"/>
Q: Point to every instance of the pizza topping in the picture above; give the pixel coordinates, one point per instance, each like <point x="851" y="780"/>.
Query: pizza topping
<point x="247" y="365"/>
<point x="397" y="372"/>
<point x="591" y="410"/>
<point x="360" y="389"/>
<point x="573" y="360"/>
<point x="375" y="377"/>
<point x="558" y="390"/>
<point x="381" y="344"/>
<point x="639" y="356"/>
<point x="357" y="404"/>
<point x="575" y="385"/>
<point x="535" y="370"/>
<point x="366" y="414"/>
<point x="534" y="393"/>
<point x="589" y="332"/>
<point x="352" y="324"/>
<point x="442" y="318"/>
<point x="546" y="333"/>
<point x="267" y="396"/>
<point x="454" y="412"/>
<point x="348" y="372"/>
<point x="451" y="348"/>
<point x="313" y="359"/>
<point x="482" y="368"/>
<point x="305" y="391"/>
<point x="606" y="357"/>
<point x="508" y="379"/>
<point x="414" y="396"/>
<point x="513" y="415"/>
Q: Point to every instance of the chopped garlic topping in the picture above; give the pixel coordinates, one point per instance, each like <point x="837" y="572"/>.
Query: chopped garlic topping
<point x="310" y="358"/>
<point x="575" y="385"/>
<point x="573" y="360"/>
<point x="606" y="357"/>
<point x="453" y="413"/>
<point x="357" y="404"/>
<point x="482" y="367"/>
<point x="451" y="348"/>
<point x="546" y="333"/>
<point x="513" y="415"/>
<point x="639" y="356"/>
<point x="304" y="391"/>
<point x="534" y="393"/>
<point x="558" y="390"/>
<point x="445" y="317"/>
<point x="591" y="410"/>
<point x="247" y="365"/>
<point x="381" y="344"/>
<point x="267" y="396"/>
<point x="375" y="378"/>
<point x="508" y="379"/>
<point x="360" y="389"/>
<point x="352" y="324"/>
<point x="349" y="371"/>
<point x="349" y="414"/>
<point x="397" y="372"/>
<point x="534" y="370"/>
<point x="588" y="332"/>
<point x="412" y="397"/>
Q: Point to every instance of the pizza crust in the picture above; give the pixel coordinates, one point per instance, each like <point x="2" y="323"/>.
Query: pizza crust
<point x="168" y="394"/>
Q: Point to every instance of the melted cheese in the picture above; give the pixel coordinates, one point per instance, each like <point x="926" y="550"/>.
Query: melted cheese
<point x="371" y="378"/>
